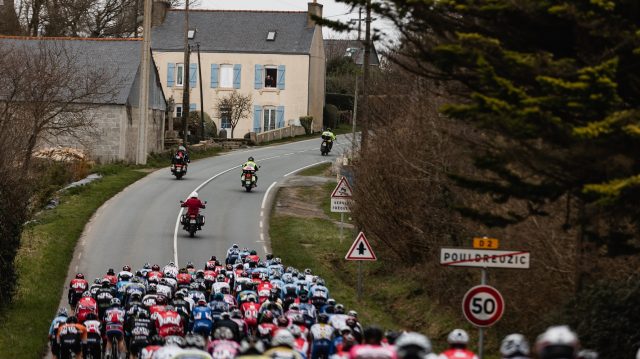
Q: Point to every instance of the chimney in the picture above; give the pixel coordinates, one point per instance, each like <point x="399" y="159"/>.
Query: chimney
<point x="159" y="12"/>
<point x="314" y="9"/>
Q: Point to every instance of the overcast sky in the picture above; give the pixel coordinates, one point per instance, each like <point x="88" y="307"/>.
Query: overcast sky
<point x="331" y="10"/>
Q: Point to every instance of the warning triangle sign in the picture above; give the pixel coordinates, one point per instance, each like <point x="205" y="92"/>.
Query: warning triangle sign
<point x="360" y="250"/>
<point x="342" y="190"/>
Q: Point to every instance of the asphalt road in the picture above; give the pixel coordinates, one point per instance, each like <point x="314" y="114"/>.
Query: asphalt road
<point x="140" y="224"/>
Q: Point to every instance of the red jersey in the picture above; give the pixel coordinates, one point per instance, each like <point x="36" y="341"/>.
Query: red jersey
<point x="250" y="311"/>
<point x="193" y="206"/>
<point x="253" y="258"/>
<point x="155" y="274"/>
<point x="79" y="285"/>
<point x="169" y="323"/>
<point x="267" y="329"/>
<point x="155" y="310"/>
<point x="112" y="279"/>
<point x="210" y="276"/>
<point x="458" y="354"/>
<point x="302" y="345"/>
<point x="85" y="306"/>
<point x="183" y="278"/>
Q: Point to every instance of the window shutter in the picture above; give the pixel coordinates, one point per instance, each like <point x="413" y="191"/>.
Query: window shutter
<point x="281" y="69"/>
<point x="215" y="68"/>
<point x="171" y="76"/>
<point x="192" y="107"/>
<point x="259" y="80"/>
<point x="193" y="75"/>
<point x="257" y="116"/>
<point x="237" y="73"/>
<point x="279" y="116"/>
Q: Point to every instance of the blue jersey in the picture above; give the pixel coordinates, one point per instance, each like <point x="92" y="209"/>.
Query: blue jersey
<point x="57" y="321"/>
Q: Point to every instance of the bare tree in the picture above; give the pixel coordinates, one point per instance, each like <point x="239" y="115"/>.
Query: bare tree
<point x="9" y="24"/>
<point x="234" y="108"/>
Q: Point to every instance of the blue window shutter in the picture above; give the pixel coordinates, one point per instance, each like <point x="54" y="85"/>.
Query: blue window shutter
<point x="237" y="73"/>
<point x="215" y="68"/>
<point x="279" y="116"/>
<point x="257" y="117"/>
<point x="192" y="107"/>
<point x="281" y="74"/>
<point x="193" y="75"/>
<point x="259" y="80"/>
<point x="171" y="76"/>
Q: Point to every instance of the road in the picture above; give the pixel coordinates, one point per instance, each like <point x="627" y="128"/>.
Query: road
<point x="140" y="224"/>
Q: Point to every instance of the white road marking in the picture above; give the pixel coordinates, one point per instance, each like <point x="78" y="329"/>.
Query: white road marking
<point x="305" y="167"/>
<point x="265" y="248"/>
<point x="79" y="255"/>
<point x="266" y="195"/>
<point x="260" y="224"/>
<point x="261" y="213"/>
<point x="261" y="237"/>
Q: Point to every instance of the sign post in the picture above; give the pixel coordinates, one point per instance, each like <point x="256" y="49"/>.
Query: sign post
<point x="341" y="201"/>
<point x="483" y="305"/>
<point x="360" y="251"/>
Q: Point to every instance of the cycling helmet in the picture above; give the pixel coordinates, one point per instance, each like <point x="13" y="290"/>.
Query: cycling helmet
<point x="323" y="318"/>
<point x="226" y="315"/>
<point x="111" y="272"/>
<point x="352" y="313"/>
<point x="106" y="282"/>
<point x="181" y="148"/>
<point x="413" y="346"/>
<point x="339" y="308"/>
<point x="79" y="276"/>
<point x="223" y="333"/>
<point x="587" y="354"/>
<point x="146" y="266"/>
<point x="235" y="245"/>
<point x="155" y="268"/>
<point x="253" y="252"/>
<point x="458" y="337"/>
<point x="514" y="346"/>
<point x="250" y="159"/>
<point x="295" y="331"/>
<point x="190" y="265"/>
<point x="86" y="293"/>
<point x="307" y="271"/>
<point x="331" y="301"/>
<point x="62" y="312"/>
<point x="267" y="317"/>
<point x="194" y="194"/>
<point x="174" y="340"/>
<point x="115" y="302"/>
<point x="126" y="268"/>
<point x="91" y="316"/>
<point x="283" y="337"/>
<point x="97" y="281"/>
<point x="72" y="320"/>
<point x="557" y="342"/>
<point x="328" y="129"/>
<point x="194" y="341"/>
<point x="236" y="313"/>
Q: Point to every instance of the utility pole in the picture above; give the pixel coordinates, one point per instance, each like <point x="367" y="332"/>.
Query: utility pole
<point x="365" y="78"/>
<point x="201" y="97"/>
<point x="185" y="81"/>
<point x="145" y="59"/>
<point x="359" y="21"/>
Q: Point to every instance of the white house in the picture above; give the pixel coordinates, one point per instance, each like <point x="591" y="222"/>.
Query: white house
<point x="276" y="57"/>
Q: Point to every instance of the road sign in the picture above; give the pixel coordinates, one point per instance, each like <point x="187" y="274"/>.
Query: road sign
<point x="341" y="205"/>
<point x="342" y="190"/>
<point x="483" y="305"/>
<point x="485" y="243"/>
<point x="462" y="257"/>
<point x="360" y="250"/>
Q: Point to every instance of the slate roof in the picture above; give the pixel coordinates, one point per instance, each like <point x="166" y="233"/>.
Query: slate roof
<point x="337" y="47"/>
<point x="122" y="56"/>
<point x="236" y="31"/>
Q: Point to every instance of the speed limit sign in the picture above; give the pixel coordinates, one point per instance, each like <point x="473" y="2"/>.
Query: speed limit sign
<point x="483" y="306"/>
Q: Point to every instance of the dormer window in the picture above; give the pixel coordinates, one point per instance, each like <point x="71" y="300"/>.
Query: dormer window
<point x="271" y="36"/>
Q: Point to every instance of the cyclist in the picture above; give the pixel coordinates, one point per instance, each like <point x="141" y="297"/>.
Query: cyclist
<point x="458" y="340"/>
<point x="60" y="319"/>
<point x="77" y="286"/>
<point x="114" y="326"/>
<point x="414" y="346"/>
<point x="71" y="336"/>
<point x="557" y="342"/>
<point x="93" y="345"/>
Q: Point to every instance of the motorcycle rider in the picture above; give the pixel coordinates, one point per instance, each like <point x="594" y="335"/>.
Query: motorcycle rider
<point x="250" y="164"/>
<point x="193" y="205"/>
<point x="557" y="342"/>
<point x="328" y="136"/>
<point x="77" y="286"/>
<point x="458" y="340"/>
<point x="181" y="156"/>
<point x="514" y="346"/>
<point x="414" y="346"/>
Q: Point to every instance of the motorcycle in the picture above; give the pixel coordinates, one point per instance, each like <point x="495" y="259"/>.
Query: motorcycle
<point x="325" y="147"/>
<point x="179" y="170"/>
<point x="192" y="222"/>
<point x="248" y="180"/>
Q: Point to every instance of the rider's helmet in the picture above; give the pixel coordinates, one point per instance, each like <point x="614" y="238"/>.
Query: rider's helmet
<point x="72" y="320"/>
<point x="194" y="194"/>
<point x="323" y="318"/>
<point x="251" y="346"/>
<point x="79" y="276"/>
<point x="115" y="302"/>
<point x="105" y="282"/>
<point x="126" y="268"/>
<point x="352" y="313"/>
<point x="307" y="271"/>
<point x="220" y="278"/>
<point x="413" y="346"/>
<point x="174" y="340"/>
<point x="62" y="312"/>
<point x="328" y="129"/>
<point x="194" y="341"/>
<point x="236" y="313"/>
<point x="181" y="148"/>
<point x="190" y="265"/>
<point x="253" y="252"/>
<point x="250" y="159"/>
<point x="557" y="342"/>
<point x="111" y="272"/>
<point x="223" y="333"/>
<point x="458" y="337"/>
<point x="514" y="346"/>
<point x="339" y="309"/>
<point x="146" y="266"/>
<point x="283" y="337"/>
<point x="155" y="268"/>
<point x="234" y="246"/>
<point x="267" y="317"/>
<point x="588" y="354"/>
<point x="86" y="293"/>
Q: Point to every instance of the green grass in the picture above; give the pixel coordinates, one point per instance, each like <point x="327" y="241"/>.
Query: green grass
<point x="47" y="248"/>
<point x="319" y="170"/>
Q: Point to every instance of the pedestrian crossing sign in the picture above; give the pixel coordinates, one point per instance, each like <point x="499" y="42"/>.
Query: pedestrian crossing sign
<point x="360" y="250"/>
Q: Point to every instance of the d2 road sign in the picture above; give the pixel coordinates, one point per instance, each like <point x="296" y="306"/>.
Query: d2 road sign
<point x="342" y="190"/>
<point x="483" y="306"/>
<point x="360" y="250"/>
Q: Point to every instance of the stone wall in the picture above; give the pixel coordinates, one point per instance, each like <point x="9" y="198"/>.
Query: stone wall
<point x="285" y="132"/>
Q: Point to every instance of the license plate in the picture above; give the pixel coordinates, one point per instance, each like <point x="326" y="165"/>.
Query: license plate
<point x="248" y="181"/>
<point x="193" y="221"/>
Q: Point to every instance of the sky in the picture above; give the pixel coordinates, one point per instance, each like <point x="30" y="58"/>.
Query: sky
<point x="331" y="10"/>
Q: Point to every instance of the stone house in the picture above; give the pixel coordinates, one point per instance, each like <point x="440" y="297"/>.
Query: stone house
<point x="276" y="57"/>
<point x="113" y="135"/>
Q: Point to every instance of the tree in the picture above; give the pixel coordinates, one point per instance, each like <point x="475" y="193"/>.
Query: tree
<point x="45" y="92"/>
<point x="9" y="24"/>
<point x="233" y="108"/>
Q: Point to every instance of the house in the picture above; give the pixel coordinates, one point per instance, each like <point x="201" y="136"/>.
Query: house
<point x="113" y="135"/>
<point x="354" y="49"/>
<point x="276" y="57"/>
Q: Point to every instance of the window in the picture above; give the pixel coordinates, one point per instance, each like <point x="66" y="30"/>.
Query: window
<point x="270" y="77"/>
<point x="271" y="36"/>
<point x="178" y="111"/>
<point x="226" y="76"/>
<point x="179" y="74"/>
<point x="269" y="119"/>
<point x="225" y="117"/>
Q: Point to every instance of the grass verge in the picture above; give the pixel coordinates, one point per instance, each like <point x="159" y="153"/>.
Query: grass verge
<point x="47" y="247"/>
<point x="392" y="294"/>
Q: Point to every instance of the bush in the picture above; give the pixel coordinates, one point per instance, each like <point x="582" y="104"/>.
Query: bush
<point x="606" y="316"/>
<point x="306" y="122"/>
<point x="330" y="116"/>
<point x="343" y="102"/>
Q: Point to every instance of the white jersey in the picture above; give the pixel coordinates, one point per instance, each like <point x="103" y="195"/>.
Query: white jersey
<point x="338" y="321"/>
<point x="322" y="331"/>
<point x="165" y="290"/>
<point x="217" y="287"/>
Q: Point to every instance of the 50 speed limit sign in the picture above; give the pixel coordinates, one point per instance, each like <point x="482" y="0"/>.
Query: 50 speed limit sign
<point x="483" y="306"/>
